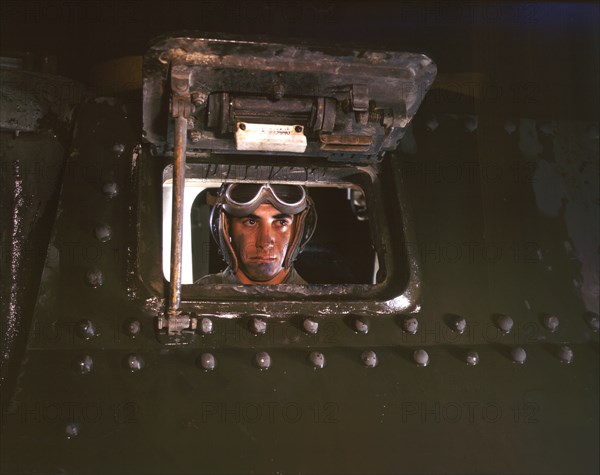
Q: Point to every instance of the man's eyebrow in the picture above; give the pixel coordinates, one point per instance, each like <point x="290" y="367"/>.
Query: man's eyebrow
<point x="282" y="216"/>
<point x="251" y="216"/>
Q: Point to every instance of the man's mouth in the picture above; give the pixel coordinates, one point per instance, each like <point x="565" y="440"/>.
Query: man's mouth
<point x="263" y="258"/>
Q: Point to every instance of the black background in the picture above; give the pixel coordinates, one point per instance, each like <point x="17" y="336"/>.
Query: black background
<point x="539" y="59"/>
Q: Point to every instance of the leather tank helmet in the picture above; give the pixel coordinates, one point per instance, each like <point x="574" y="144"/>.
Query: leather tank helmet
<point x="242" y="199"/>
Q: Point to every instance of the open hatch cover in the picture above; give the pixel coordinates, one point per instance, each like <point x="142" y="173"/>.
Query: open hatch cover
<point x="258" y="97"/>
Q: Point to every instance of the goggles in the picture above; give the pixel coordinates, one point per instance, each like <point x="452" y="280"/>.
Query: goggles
<point x="241" y="199"/>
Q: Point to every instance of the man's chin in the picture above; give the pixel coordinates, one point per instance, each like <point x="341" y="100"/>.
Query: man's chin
<point x="262" y="271"/>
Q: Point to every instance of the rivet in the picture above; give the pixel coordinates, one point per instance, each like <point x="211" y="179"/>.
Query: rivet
<point x="369" y="358"/>
<point x="207" y="361"/>
<point x="547" y="128"/>
<point x="94" y="277"/>
<point x="258" y="326"/>
<point x="594" y="322"/>
<point x="472" y="358"/>
<point x="135" y="363"/>
<point x="432" y="124"/>
<point x="510" y="127"/>
<point x="263" y="360"/>
<point x="410" y="325"/>
<point x="195" y="136"/>
<point x="199" y="97"/>
<point x="471" y="124"/>
<point x="206" y="326"/>
<point x="103" y="232"/>
<point x="110" y="189"/>
<point x="242" y="126"/>
<point x="86" y="329"/>
<point x="551" y="322"/>
<point x="519" y="355"/>
<point x="310" y="326"/>
<point x="298" y="128"/>
<point x="361" y="325"/>
<point x="565" y="353"/>
<point x="459" y="324"/>
<point x="72" y="430"/>
<point x="505" y="323"/>
<point x="85" y="364"/>
<point x="593" y="132"/>
<point x="421" y="357"/>
<point x="317" y="359"/>
<point x="132" y="327"/>
<point x="118" y="149"/>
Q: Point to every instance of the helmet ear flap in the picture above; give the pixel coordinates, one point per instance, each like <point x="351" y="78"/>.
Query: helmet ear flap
<point x="219" y="228"/>
<point x="309" y="224"/>
<point x="226" y="242"/>
<point x="305" y="225"/>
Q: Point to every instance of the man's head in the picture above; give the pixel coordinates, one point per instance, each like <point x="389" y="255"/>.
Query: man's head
<point x="261" y="229"/>
<point x="260" y="241"/>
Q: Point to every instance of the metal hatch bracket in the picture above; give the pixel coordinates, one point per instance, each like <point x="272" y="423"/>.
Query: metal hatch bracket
<point x="181" y="108"/>
<point x="349" y="105"/>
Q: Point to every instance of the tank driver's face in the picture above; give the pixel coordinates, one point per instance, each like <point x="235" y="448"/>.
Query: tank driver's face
<point x="260" y="241"/>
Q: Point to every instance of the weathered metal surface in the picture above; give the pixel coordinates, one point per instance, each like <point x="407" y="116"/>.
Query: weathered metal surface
<point x="29" y="186"/>
<point x="180" y="105"/>
<point x="238" y="407"/>
<point x="76" y="393"/>
<point x="339" y="91"/>
<point x="36" y="113"/>
<point x="503" y="224"/>
<point x="34" y="101"/>
<point x="179" y="160"/>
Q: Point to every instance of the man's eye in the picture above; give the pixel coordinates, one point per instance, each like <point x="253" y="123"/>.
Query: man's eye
<point x="250" y="222"/>
<point x="284" y="222"/>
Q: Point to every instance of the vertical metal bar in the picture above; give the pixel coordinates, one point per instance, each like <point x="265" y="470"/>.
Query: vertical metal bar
<point x="177" y="213"/>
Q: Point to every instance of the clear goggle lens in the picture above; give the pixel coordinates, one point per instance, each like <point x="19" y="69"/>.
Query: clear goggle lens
<point x="240" y="199"/>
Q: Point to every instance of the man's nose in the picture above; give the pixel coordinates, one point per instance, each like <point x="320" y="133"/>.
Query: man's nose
<point x="265" y="236"/>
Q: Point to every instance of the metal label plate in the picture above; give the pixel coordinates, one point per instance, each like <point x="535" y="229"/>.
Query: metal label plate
<point x="270" y="138"/>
